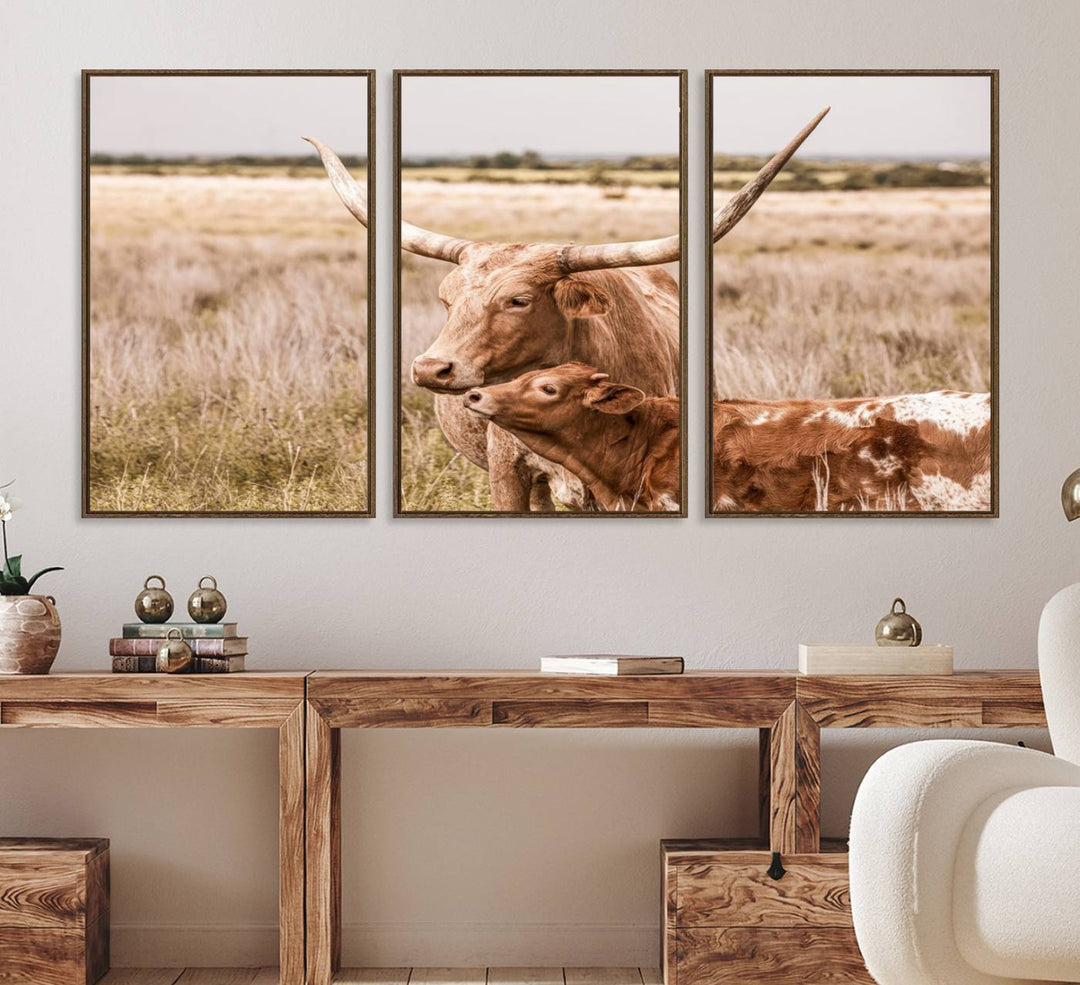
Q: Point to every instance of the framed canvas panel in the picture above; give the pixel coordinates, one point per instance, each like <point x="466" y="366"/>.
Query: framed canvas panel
<point x="540" y="309"/>
<point x="852" y="316"/>
<point x="228" y="299"/>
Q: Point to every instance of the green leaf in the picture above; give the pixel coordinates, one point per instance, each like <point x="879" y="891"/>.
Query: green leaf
<point x="14" y="566"/>
<point x="14" y="586"/>
<point x="43" y="571"/>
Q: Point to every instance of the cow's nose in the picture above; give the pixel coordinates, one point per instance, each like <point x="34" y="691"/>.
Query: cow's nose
<point x="474" y="396"/>
<point x="432" y="372"/>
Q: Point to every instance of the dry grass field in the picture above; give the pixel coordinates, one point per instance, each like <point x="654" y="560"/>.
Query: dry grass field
<point x="227" y="345"/>
<point x="831" y="293"/>
<point x="854" y="293"/>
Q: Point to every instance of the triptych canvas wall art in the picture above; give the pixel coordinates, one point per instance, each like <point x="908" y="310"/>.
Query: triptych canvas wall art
<point x="540" y="338"/>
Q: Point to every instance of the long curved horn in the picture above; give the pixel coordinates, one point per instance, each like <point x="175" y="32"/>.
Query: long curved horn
<point x="413" y="238"/>
<point x="666" y="250"/>
<point x="725" y="219"/>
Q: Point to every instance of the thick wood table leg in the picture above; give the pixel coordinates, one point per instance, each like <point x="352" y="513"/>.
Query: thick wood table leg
<point x="291" y="847"/>
<point x="808" y="788"/>
<point x="793" y="773"/>
<point x="323" y="849"/>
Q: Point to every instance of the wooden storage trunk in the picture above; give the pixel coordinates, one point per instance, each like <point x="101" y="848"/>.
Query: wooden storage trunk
<point x="727" y="920"/>
<point x="54" y="911"/>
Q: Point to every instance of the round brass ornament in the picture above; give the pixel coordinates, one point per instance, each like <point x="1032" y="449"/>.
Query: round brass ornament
<point x="898" y="628"/>
<point x="154" y="604"/>
<point x="174" y="656"/>
<point x="1070" y="496"/>
<point x="207" y="604"/>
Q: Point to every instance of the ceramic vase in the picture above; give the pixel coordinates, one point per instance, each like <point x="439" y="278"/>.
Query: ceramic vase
<point x="29" y="633"/>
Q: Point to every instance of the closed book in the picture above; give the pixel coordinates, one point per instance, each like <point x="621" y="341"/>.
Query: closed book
<point x="202" y="665"/>
<point x="219" y="665"/>
<point x="925" y="659"/>
<point x="147" y="647"/>
<point x="190" y="630"/>
<point x="134" y="665"/>
<point x="610" y="664"/>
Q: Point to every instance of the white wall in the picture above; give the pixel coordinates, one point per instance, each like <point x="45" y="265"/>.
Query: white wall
<point x="486" y="846"/>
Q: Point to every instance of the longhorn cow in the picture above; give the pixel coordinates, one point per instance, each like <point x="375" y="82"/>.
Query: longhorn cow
<point x="516" y="307"/>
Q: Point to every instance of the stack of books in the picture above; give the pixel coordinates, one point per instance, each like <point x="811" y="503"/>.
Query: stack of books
<point x="217" y="648"/>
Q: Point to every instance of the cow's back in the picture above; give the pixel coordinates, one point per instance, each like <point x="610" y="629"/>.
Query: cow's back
<point x="912" y="452"/>
<point x="956" y="426"/>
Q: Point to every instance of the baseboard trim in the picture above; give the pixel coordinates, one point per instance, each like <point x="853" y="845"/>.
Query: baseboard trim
<point x="483" y="944"/>
<point x="394" y="944"/>
<point x="134" y="945"/>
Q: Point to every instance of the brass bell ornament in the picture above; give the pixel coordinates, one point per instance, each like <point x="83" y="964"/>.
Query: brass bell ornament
<point x="898" y="628"/>
<point x="207" y="604"/>
<point x="174" y="656"/>
<point x="154" y="604"/>
<point x="1070" y="496"/>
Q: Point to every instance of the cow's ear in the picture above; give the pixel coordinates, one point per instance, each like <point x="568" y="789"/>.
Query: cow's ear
<point x="577" y="298"/>
<point x="613" y="398"/>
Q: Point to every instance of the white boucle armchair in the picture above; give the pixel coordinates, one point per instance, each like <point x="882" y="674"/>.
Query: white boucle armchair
<point x="965" y="856"/>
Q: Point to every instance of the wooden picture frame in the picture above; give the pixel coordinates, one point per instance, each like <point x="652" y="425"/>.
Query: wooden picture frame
<point x="92" y="505"/>
<point x="401" y="507"/>
<point x="713" y="199"/>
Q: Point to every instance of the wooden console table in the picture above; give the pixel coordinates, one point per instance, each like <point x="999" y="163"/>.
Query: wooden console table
<point x="249" y="700"/>
<point x="789" y="710"/>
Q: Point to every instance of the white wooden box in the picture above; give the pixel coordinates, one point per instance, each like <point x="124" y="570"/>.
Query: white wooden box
<point x="822" y="658"/>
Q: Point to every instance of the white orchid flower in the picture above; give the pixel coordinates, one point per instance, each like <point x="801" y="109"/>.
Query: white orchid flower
<point x="8" y="505"/>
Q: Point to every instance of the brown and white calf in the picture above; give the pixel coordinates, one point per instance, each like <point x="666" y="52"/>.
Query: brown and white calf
<point x="919" y="451"/>
<point x="621" y="444"/>
<point x="926" y="451"/>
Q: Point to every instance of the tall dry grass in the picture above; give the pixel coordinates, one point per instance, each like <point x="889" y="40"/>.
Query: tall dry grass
<point x="227" y="346"/>
<point x="851" y="294"/>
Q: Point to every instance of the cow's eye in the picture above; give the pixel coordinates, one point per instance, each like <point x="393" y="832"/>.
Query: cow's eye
<point x="519" y="302"/>
<point x="548" y="388"/>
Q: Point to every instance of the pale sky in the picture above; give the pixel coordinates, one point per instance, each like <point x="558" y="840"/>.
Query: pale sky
<point x="167" y="116"/>
<point x="872" y="116"/>
<point x="555" y="115"/>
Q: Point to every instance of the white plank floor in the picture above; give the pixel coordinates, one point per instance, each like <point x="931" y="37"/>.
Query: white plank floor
<point x="392" y="976"/>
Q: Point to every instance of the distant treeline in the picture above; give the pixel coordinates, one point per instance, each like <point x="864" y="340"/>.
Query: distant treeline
<point x="236" y="160"/>
<point x="812" y="175"/>
<point x="730" y="171"/>
<point x="534" y="161"/>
